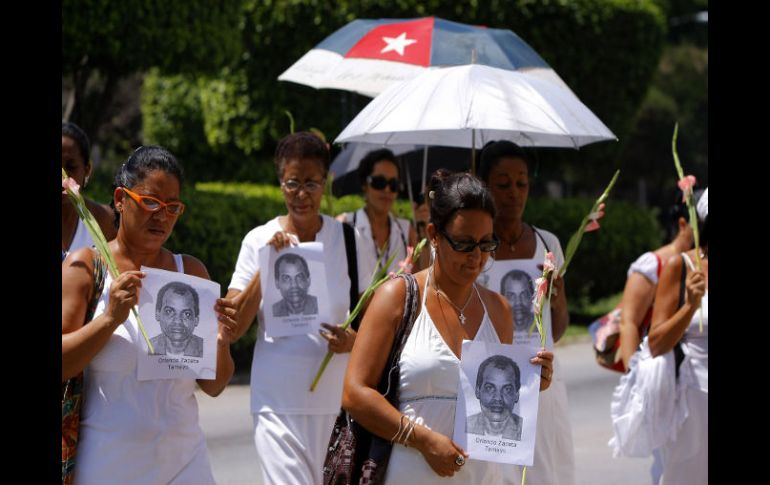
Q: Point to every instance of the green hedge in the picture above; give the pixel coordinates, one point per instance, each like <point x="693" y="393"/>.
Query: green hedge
<point x="219" y="215"/>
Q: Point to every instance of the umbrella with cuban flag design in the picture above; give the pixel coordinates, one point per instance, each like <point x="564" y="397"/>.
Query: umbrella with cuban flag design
<point x="366" y="56"/>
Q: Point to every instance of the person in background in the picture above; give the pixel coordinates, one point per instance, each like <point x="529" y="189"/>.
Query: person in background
<point x="636" y="307"/>
<point x="76" y="161"/>
<point x="134" y="431"/>
<point x="291" y="424"/>
<point x="505" y="168"/>
<point x="454" y="308"/>
<point x="681" y="301"/>
<point x="383" y="234"/>
<point x="642" y="281"/>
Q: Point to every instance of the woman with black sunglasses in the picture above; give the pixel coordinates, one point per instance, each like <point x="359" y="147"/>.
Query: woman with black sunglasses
<point x="453" y="309"/>
<point x="134" y="431"/>
<point x="384" y="234"/>
<point x="504" y="167"/>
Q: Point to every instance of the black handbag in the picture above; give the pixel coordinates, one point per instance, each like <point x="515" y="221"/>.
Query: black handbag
<point x="354" y="454"/>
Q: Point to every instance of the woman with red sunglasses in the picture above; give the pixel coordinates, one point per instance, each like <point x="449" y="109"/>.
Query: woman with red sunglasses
<point x="134" y="431"/>
<point x="384" y="234"/>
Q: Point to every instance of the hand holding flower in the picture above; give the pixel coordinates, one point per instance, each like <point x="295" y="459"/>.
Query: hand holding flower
<point x="340" y="339"/>
<point x="124" y="295"/>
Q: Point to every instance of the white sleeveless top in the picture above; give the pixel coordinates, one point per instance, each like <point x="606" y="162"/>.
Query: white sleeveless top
<point x="81" y="239"/>
<point x="142" y="432"/>
<point x="694" y="370"/>
<point x="429" y="376"/>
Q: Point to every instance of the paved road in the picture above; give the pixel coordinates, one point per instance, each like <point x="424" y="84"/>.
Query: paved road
<point x="227" y="424"/>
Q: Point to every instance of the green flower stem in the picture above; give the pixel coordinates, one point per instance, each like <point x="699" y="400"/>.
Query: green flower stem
<point x="574" y="241"/>
<point x="693" y="215"/>
<point x="101" y="245"/>
<point x="378" y="279"/>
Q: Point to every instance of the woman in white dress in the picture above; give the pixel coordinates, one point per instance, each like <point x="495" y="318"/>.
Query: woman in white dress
<point x="291" y="424"/>
<point x="134" y="431"/>
<point x="680" y="302"/>
<point x="379" y="176"/>
<point x="504" y="167"/>
<point x="76" y="161"/>
<point x="453" y="309"/>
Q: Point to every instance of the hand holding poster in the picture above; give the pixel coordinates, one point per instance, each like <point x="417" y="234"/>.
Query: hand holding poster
<point x="178" y="310"/>
<point x="294" y="289"/>
<point x="496" y="414"/>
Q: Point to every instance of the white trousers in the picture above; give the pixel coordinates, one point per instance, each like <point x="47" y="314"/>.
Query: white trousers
<point x="291" y="447"/>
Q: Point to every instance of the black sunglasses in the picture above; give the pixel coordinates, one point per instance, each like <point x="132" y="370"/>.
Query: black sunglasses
<point x="485" y="245"/>
<point x="379" y="182"/>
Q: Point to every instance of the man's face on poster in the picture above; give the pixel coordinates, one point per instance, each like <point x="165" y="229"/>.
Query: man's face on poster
<point x="178" y="315"/>
<point x="293" y="283"/>
<point x="497" y="393"/>
<point x="519" y="294"/>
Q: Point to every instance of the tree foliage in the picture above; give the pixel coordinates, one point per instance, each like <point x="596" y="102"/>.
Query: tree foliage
<point x="103" y="40"/>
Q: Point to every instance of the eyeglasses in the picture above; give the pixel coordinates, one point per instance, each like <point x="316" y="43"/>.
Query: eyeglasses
<point x="151" y="204"/>
<point x="379" y="182"/>
<point x="485" y="245"/>
<point x="293" y="186"/>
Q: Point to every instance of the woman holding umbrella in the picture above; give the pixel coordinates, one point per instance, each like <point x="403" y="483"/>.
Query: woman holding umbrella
<point x="504" y="167"/>
<point x="384" y="235"/>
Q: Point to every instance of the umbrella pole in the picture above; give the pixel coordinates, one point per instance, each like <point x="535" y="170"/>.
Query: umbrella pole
<point x="424" y="168"/>
<point x="473" y="151"/>
<point x="409" y="191"/>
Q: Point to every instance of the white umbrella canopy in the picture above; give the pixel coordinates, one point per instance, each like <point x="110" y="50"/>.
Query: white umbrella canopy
<point x="468" y="106"/>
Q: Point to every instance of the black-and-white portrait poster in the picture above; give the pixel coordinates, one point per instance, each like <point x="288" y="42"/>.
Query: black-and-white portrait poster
<point x="295" y="292"/>
<point x="515" y="280"/>
<point x="177" y="311"/>
<point x="498" y="392"/>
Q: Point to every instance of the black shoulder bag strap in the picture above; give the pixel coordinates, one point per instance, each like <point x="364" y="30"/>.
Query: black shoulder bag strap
<point x="678" y="352"/>
<point x="350" y="252"/>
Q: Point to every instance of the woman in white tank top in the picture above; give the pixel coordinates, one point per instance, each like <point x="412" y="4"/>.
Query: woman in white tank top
<point x="680" y="303"/>
<point x="76" y="161"/>
<point x="453" y="309"/>
<point x="135" y="431"/>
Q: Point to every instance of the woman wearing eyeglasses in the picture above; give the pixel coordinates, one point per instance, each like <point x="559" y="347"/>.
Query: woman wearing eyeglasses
<point x="291" y="424"/>
<point x="134" y="431"/>
<point x="76" y="161"/>
<point x="453" y="308"/>
<point x="384" y="235"/>
<point x="504" y="167"/>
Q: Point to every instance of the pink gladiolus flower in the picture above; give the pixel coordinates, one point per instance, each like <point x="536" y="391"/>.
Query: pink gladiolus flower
<point x="407" y="263"/>
<point x="392" y="275"/>
<point x="592" y="226"/>
<point x="70" y="184"/>
<point x="686" y="184"/>
<point x="550" y="262"/>
<point x="541" y="286"/>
